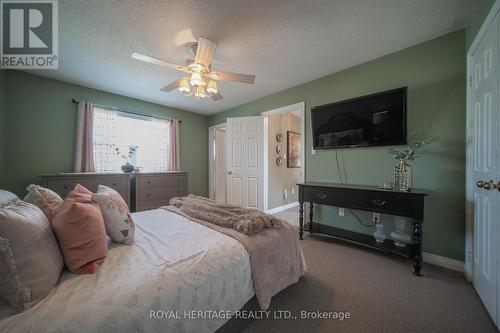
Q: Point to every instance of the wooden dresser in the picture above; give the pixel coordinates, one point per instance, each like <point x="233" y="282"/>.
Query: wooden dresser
<point x="153" y="190"/>
<point x="63" y="183"/>
<point x="141" y="191"/>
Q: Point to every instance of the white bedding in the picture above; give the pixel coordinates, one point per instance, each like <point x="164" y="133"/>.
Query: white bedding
<point x="175" y="264"/>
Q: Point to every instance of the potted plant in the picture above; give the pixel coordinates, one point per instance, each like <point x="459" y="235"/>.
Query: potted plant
<point x="402" y="171"/>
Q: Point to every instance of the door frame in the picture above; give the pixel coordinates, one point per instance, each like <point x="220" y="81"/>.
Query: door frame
<point x="211" y="170"/>
<point x="301" y="106"/>
<point x="469" y="209"/>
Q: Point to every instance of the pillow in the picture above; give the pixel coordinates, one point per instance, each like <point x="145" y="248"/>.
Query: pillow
<point x="119" y="225"/>
<point x="79" y="228"/>
<point x="30" y="260"/>
<point x="47" y="200"/>
<point x="7" y="199"/>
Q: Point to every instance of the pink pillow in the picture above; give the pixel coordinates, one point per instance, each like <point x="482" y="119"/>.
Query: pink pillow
<point x="80" y="232"/>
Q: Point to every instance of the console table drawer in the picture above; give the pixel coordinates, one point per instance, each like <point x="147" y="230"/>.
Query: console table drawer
<point x="380" y="202"/>
<point x="324" y="196"/>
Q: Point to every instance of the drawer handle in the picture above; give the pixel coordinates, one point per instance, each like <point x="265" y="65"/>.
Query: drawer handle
<point x="65" y="187"/>
<point x="379" y="202"/>
<point x="322" y="195"/>
<point x="149" y="194"/>
<point x="114" y="184"/>
<point x="149" y="182"/>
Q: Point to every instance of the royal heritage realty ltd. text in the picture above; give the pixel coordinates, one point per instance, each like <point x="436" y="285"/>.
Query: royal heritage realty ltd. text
<point x="258" y="314"/>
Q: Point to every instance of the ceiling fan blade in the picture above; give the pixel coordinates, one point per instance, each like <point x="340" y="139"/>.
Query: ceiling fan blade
<point x="159" y="62"/>
<point x="217" y="96"/>
<point x="171" y="86"/>
<point x="228" y="76"/>
<point x="205" y="51"/>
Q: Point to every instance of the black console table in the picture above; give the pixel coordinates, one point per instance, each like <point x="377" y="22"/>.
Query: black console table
<point x="368" y="198"/>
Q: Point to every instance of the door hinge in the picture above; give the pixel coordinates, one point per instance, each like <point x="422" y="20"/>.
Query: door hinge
<point x="470" y="81"/>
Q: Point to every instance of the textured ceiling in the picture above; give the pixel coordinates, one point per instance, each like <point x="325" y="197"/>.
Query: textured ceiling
<point x="284" y="43"/>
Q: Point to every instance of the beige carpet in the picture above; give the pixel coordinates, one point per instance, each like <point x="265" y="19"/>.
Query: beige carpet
<point x="379" y="291"/>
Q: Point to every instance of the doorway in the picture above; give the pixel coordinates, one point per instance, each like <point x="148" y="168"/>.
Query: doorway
<point x="285" y="156"/>
<point x="217" y="162"/>
<point x="249" y="167"/>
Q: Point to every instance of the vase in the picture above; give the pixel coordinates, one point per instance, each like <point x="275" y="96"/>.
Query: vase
<point x="379" y="233"/>
<point x="402" y="176"/>
<point x="128" y="168"/>
<point x="399" y="236"/>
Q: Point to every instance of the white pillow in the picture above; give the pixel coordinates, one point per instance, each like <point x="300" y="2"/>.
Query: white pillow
<point x="117" y="219"/>
<point x="30" y="259"/>
<point x="7" y="199"/>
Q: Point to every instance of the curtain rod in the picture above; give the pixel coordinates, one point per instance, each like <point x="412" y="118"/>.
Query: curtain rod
<point x="74" y="101"/>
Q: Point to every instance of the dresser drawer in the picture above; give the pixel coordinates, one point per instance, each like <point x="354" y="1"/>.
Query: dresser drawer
<point x="324" y="196"/>
<point x="161" y="194"/>
<point x="153" y="182"/>
<point x="63" y="186"/>
<point x="156" y="190"/>
<point x="381" y="202"/>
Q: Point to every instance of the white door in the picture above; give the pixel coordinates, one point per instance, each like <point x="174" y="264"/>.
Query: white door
<point x="245" y="161"/>
<point x="220" y="165"/>
<point x="484" y="167"/>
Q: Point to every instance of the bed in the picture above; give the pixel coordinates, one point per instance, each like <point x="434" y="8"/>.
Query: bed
<point x="175" y="265"/>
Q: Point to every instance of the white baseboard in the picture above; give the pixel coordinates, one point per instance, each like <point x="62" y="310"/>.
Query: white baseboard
<point x="282" y="208"/>
<point x="449" y="263"/>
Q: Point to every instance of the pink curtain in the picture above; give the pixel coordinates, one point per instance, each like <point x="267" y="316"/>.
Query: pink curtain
<point x="84" y="145"/>
<point x="174" y="160"/>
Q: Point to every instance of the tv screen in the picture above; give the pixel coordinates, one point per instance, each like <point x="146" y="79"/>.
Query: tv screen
<point x="373" y="120"/>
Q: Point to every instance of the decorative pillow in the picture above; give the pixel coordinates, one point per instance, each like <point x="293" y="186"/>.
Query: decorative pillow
<point x="7" y="199"/>
<point x="79" y="228"/>
<point x="47" y="200"/>
<point x="117" y="219"/>
<point x="30" y="260"/>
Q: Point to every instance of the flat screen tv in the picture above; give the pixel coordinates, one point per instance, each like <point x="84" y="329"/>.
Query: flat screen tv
<point x="374" y="120"/>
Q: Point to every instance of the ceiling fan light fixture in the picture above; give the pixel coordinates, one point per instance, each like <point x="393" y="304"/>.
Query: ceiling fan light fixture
<point x="212" y="87"/>
<point x="184" y="85"/>
<point x="200" y="92"/>
<point x="196" y="79"/>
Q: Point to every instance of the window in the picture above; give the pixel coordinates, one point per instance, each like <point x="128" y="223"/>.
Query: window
<point x="121" y="137"/>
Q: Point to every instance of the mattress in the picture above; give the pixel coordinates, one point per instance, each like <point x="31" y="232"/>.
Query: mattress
<point x="179" y="276"/>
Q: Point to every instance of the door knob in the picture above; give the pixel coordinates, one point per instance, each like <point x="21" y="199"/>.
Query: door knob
<point x="229" y="172"/>
<point x="488" y="185"/>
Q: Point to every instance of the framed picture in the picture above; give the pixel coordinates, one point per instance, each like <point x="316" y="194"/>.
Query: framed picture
<point x="293" y="150"/>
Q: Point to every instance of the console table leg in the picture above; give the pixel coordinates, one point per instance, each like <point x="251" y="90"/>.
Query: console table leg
<point x="417" y="243"/>
<point x="311" y="213"/>
<point x="301" y="219"/>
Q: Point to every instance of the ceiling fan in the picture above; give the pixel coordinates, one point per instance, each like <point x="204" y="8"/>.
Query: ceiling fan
<point x="200" y="79"/>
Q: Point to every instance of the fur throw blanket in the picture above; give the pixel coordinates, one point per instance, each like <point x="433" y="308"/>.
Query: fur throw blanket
<point x="245" y="220"/>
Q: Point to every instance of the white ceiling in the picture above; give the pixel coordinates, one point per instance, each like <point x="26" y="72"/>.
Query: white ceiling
<point x="284" y="43"/>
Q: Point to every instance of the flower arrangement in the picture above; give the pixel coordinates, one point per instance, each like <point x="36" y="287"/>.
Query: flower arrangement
<point x="409" y="153"/>
<point x="126" y="156"/>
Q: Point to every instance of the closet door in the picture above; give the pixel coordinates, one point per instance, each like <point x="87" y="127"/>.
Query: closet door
<point x="484" y="166"/>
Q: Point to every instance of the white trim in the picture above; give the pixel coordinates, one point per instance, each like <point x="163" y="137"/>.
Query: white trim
<point x="449" y="263"/>
<point x="282" y="208"/>
<point x="266" y="161"/>
<point x="211" y="133"/>
<point x="469" y="216"/>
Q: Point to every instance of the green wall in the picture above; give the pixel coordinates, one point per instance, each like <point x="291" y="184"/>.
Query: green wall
<point x="41" y="129"/>
<point x="480" y="12"/>
<point x="434" y="72"/>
